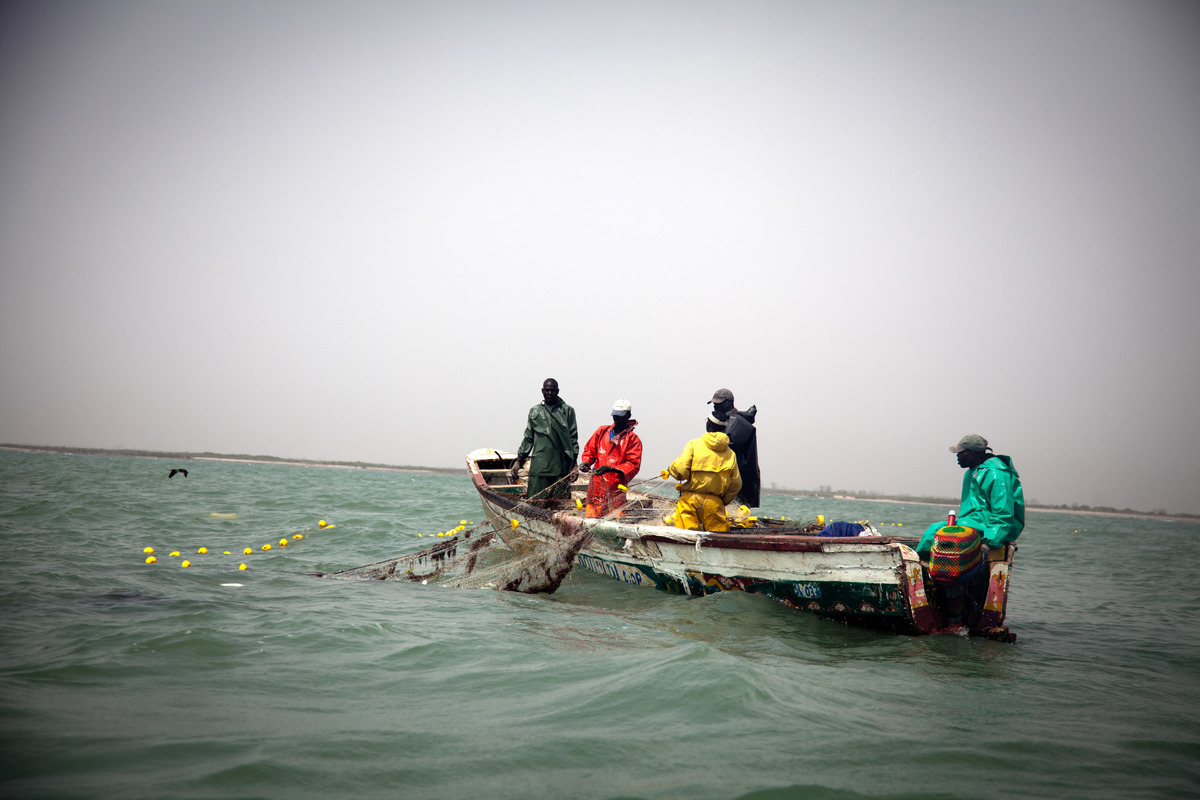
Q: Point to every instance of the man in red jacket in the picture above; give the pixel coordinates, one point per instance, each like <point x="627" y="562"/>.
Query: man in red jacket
<point x="616" y="453"/>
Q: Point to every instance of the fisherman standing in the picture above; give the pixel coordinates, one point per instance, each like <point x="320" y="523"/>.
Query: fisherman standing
<point x="709" y="470"/>
<point x="551" y="443"/>
<point x="993" y="501"/>
<point x="743" y="438"/>
<point x="616" y="453"/>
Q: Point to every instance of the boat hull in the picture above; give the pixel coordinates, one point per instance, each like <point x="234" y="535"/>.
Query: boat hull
<point x="872" y="581"/>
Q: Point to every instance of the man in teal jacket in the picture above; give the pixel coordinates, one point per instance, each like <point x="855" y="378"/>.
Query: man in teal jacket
<point x="551" y="443"/>
<point x="992" y="500"/>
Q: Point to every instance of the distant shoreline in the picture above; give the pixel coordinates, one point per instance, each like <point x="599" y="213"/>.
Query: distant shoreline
<point x="947" y="502"/>
<point x="301" y="462"/>
<point x="954" y="504"/>
<point x="230" y="459"/>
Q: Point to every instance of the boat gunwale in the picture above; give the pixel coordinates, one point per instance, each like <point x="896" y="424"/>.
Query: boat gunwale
<point x="779" y="542"/>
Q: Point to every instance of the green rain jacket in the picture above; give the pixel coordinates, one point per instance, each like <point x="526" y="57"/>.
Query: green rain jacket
<point x="551" y="440"/>
<point x="992" y="502"/>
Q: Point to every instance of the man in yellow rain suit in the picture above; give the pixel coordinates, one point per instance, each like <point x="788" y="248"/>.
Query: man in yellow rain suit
<point x="709" y="471"/>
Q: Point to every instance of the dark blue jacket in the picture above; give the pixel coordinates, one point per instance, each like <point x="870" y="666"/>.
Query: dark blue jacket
<point x="743" y="438"/>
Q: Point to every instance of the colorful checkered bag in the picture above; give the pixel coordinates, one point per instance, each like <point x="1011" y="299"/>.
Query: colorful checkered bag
<point x="956" y="553"/>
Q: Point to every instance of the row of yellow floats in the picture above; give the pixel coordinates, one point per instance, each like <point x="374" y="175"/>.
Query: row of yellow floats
<point x="744" y="519"/>
<point x="821" y="521"/>
<point x="152" y="559"/>
<point x="455" y="531"/>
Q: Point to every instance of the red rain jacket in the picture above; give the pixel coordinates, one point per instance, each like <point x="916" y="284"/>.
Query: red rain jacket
<point x="625" y="454"/>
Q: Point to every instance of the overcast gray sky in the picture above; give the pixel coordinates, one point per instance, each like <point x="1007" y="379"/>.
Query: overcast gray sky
<point x="368" y="230"/>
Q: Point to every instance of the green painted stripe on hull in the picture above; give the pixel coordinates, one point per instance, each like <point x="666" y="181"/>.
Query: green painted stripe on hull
<point x="823" y="597"/>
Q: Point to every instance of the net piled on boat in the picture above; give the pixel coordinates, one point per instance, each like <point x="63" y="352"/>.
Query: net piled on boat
<point x="522" y="561"/>
<point x="478" y="559"/>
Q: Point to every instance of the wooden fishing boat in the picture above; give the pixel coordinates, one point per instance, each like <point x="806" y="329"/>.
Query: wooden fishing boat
<point x="870" y="580"/>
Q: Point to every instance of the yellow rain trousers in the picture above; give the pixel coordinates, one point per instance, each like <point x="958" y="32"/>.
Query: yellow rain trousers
<point x="709" y="471"/>
<point x="695" y="511"/>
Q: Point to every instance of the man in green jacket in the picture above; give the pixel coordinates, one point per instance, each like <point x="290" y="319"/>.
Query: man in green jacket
<point x="992" y="499"/>
<point x="551" y="444"/>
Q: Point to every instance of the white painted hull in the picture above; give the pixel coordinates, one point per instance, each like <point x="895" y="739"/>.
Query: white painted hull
<point x="872" y="580"/>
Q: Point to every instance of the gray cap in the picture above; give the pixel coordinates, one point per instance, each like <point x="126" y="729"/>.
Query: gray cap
<point x="721" y="395"/>
<point x="972" y="441"/>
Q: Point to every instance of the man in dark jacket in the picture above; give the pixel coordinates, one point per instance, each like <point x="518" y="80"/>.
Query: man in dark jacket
<point x="743" y="438"/>
<point x="551" y="443"/>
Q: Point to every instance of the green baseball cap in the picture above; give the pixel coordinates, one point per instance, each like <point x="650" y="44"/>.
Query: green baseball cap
<point x="972" y="441"/>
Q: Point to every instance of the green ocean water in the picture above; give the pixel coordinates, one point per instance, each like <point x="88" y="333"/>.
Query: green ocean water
<point x="122" y="679"/>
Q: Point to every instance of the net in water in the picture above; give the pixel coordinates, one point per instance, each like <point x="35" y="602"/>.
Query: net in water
<point x="522" y="562"/>
<point x="478" y="560"/>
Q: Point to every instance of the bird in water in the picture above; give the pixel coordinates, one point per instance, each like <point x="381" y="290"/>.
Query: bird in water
<point x="182" y="472"/>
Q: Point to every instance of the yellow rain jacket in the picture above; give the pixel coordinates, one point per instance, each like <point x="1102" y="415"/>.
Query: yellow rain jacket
<point x="708" y="466"/>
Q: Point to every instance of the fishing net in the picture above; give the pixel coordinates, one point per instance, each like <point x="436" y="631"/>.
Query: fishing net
<point x="525" y="564"/>
<point x="520" y="559"/>
<point x="478" y="559"/>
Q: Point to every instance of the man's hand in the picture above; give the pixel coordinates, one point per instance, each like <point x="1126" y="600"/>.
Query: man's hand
<point x="585" y="467"/>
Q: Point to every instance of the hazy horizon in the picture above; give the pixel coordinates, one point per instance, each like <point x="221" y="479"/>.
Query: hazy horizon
<point x="836" y="492"/>
<point x="368" y="231"/>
